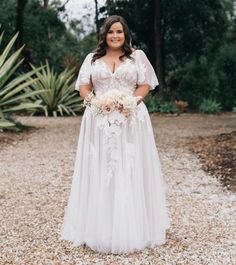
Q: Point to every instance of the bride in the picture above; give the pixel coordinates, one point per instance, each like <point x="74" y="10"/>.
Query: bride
<point x="117" y="199"/>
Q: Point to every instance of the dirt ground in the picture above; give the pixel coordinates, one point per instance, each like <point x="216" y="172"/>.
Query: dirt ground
<point x="215" y="148"/>
<point x="218" y="156"/>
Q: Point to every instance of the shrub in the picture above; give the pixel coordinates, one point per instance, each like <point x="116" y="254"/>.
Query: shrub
<point x="193" y="81"/>
<point x="152" y="102"/>
<point x="210" y="106"/>
<point x="168" y="107"/>
<point x="226" y="72"/>
<point x="234" y="107"/>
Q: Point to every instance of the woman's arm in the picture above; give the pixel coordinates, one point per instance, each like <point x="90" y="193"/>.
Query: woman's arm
<point x="141" y="91"/>
<point x="84" y="90"/>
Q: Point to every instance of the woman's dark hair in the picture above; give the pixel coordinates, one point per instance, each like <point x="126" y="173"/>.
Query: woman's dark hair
<point x="102" y="45"/>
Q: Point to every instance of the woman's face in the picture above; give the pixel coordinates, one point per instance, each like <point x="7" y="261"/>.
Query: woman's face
<point x="115" y="36"/>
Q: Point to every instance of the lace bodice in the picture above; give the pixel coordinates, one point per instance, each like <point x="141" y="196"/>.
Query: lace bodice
<point x="128" y="75"/>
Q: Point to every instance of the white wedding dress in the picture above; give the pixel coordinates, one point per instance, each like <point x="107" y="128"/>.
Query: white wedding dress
<point x="117" y="199"/>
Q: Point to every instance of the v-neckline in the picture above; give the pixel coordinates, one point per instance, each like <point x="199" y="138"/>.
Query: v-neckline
<point x="106" y="65"/>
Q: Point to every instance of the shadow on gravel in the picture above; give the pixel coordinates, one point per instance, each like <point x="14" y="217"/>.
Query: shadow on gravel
<point x="12" y="138"/>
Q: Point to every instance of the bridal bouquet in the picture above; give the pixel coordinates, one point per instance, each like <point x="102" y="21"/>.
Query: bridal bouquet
<point x="112" y="109"/>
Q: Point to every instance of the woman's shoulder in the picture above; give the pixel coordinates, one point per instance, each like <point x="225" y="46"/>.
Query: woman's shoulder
<point x="90" y="55"/>
<point x="137" y="51"/>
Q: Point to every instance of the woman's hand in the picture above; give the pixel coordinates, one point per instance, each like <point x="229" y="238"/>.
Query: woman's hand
<point x="141" y="92"/>
<point x="139" y="99"/>
<point x="84" y="90"/>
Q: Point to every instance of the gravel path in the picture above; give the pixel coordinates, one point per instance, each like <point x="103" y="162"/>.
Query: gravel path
<point x="35" y="182"/>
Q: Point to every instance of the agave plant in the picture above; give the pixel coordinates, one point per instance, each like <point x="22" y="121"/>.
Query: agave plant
<point x="12" y="94"/>
<point x="9" y="124"/>
<point x="60" y="96"/>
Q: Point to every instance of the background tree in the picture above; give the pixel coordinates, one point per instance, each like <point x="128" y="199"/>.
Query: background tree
<point x="45" y="3"/>
<point x="190" y="44"/>
<point x="158" y="43"/>
<point x="46" y="36"/>
<point x="182" y="39"/>
<point x="96" y="16"/>
<point x="194" y="34"/>
<point x="19" y="22"/>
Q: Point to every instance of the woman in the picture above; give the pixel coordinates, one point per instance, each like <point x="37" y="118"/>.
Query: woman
<point x="117" y="199"/>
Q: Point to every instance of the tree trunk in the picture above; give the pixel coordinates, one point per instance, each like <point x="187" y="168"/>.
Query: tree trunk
<point x="158" y="45"/>
<point x="96" y="17"/>
<point x="19" y="22"/>
<point x="45" y="3"/>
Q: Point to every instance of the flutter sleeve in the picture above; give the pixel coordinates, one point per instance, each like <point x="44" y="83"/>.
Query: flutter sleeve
<point x="146" y="73"/>
<point x="84" y="77"/>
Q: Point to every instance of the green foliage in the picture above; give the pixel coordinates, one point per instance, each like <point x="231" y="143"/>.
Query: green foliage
<point x="199" y="42"/>
<point x="192" y="35"/>
<point x="193" y="29"/>
<point x="12" y="96"/>
<point x="155" y="104"/>
<point x="152" y="103"/>
<point x="9" y="124"/>
<point x="168" y="107"/>
<point x="226" y="73"/>
<point x="87" y="44"/>
<point x="45" y="35"/>
<point x="189" y="29"/>
<point x="8" y="19"/>
<point x="210" y="106"/>
<point x="58" y="96"/>
<point x="203" y="78"/>
<point x="194" y="81"/>
<point x="234" y="107"/>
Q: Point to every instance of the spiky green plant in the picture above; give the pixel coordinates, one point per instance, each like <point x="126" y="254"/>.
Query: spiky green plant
<point x="210" y="106"/>
<point x="12" y="94"/>
<point x="60" y="96"/>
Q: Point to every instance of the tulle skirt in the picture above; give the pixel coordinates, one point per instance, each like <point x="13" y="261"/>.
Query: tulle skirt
<point x="117" y="198"/>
